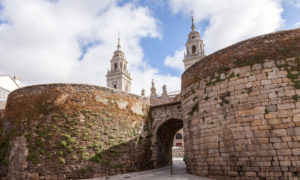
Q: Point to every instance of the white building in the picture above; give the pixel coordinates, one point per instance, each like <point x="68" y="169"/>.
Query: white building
<point x="118" y="77"/>
<point x="194" y="48"/>
<point x="7" y="84"/>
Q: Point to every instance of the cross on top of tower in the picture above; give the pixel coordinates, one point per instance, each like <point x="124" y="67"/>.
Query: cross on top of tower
<point x="119" y="46"/>
<point x="193" y="26"/>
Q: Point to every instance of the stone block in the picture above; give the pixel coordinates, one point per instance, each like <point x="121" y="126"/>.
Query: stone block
<point x="290" y="92"/>
<point x="270" y="115"/>
<point x="275" y="139"/>
<point x="261" y="76"/>
<point x="256" y="123"/>
<point x="296" y="131"/>
<point x="284" y="113"/>
<point x="266" y="146"/>
<point x="271" y="108"/>
<point x="278" y="132"/>
<point x="261" y="133"/>
<point x="285" y="163"/>
<point x="265" y="82"/>
<point x="296" y="152"/>
<point x="286" y="139"/>
<point x="272" y="75"/>
<point x="267" y="153"/>
<point x="272" y="95"/>
<point x="283" y="145"/>
<point x="233" y="173"/>
<point x="275" y="121"/>
<point x="286" y="106"/>
<point x="284" y="152"/>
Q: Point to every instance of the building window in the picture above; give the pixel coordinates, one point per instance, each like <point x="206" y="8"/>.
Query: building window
<point x="115" y="86"/>
<point x="121" y="65"/>
<point x="193" y="49"/>
<point x="178" y="136"/>
<point x="116" y="66"/>
<point x="178" y="144"/>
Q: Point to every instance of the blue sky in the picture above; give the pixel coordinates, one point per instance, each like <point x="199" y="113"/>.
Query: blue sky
<point x="72" y="41"/>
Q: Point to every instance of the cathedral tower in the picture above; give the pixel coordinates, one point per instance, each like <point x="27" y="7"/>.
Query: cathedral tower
<point x="118" y="77"/>
<point x="194" y="48"/>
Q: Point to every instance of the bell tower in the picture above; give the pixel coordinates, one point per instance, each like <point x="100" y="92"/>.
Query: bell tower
<point x="194" y="48"/>
<point x="118" y="76"/>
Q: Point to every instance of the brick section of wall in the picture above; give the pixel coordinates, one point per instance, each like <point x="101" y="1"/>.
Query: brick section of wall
<point x="244" y="123"/>
<point x="74" y="131"/>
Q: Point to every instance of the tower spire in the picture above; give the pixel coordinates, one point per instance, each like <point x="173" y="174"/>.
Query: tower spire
<point x="119" y="46"/>
<point x="193" y="26"/>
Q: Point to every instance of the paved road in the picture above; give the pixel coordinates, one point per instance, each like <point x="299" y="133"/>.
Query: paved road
<point x="179" y="173"/>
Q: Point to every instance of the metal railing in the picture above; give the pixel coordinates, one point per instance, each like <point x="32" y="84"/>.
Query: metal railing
<point x="171" y="94"/>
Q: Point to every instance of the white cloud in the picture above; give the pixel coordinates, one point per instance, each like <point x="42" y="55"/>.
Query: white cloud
<point x="231" y="20"/>
<point x="297" y="24"/>
<point x="42" y="40"/>
<point x="175" y="61"/>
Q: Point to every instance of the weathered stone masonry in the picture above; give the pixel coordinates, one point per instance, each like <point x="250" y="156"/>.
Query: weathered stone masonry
<point x="243" y="121"/>
<point x="60" y="131"/>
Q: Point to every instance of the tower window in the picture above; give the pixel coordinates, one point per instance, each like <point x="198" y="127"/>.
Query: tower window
<point x="115" y="86"/>
<point x="116" y="66"/>
<point x="193" y="49"/>
<point x="121" y="65"/>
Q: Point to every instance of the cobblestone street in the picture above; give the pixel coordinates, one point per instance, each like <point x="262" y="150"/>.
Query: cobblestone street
<point x="179" y="173"/>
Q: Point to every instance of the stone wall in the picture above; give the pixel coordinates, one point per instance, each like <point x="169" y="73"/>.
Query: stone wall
<point x="243" y="120"/>
<point x="74" y="131"/>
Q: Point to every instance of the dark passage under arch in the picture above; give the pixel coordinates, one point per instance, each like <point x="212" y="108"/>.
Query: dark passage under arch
<point x="165" y="136"/>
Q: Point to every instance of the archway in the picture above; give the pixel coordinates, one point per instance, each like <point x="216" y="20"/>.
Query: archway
<point x="164" y="140"/>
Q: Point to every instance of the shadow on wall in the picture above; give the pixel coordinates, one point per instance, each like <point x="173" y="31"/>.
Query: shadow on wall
<point x="126" y="157"/>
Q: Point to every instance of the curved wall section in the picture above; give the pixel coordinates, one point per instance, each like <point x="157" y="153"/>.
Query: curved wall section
<point x="60" y="131"/>
<point x="241" y="110"/>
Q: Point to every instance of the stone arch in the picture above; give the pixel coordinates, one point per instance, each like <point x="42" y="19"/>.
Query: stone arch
<point x="164" y="136"/>
<point x="178" y="136"/>
<point x="116" y="66"/>
<point x="167" y="120"/>
<point x="194" y="49"/>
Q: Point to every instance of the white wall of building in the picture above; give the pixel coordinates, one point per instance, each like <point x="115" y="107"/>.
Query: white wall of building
<point x="9" y="83"/>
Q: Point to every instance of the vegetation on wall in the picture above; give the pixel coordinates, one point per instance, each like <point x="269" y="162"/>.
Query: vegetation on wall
<point x="67" y="127"/>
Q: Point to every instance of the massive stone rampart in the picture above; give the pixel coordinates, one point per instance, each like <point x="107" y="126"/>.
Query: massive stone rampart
<point x="62" y="131"/>
<point x="241" y="110"/>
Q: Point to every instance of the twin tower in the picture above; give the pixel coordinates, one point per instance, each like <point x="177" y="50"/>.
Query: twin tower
<point x="118" y="76"/>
